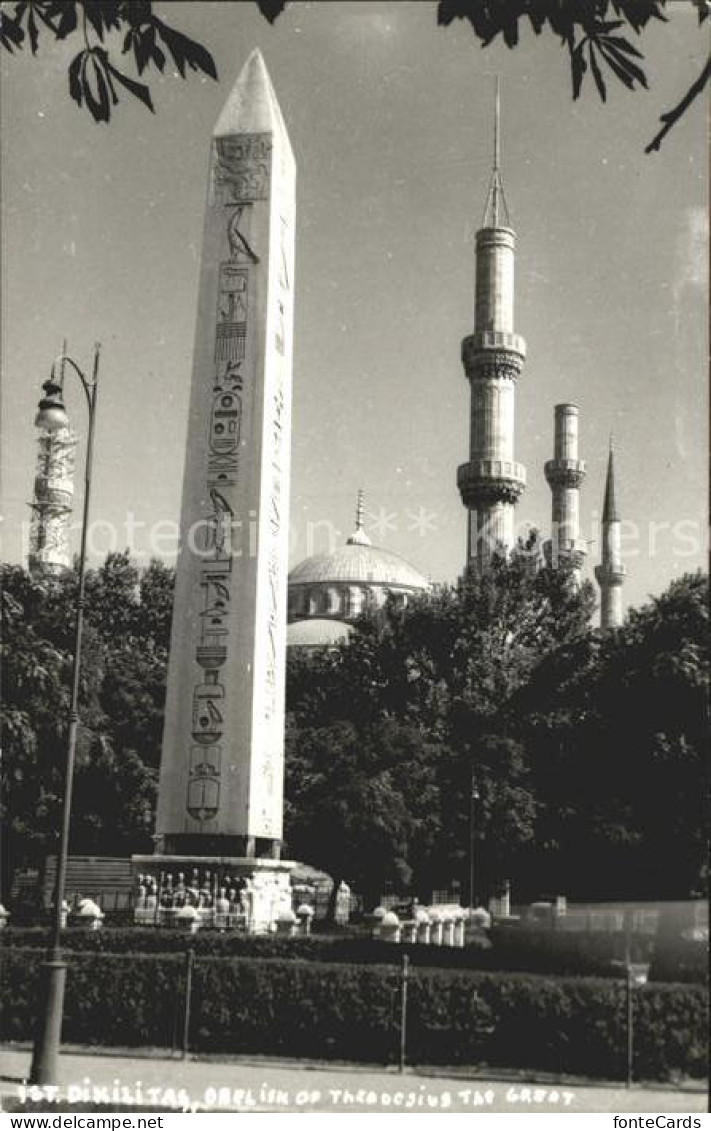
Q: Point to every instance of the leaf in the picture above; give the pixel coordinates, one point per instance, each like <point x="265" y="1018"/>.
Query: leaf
<point x="578" y="67"/>
<point x="137" y="89"/>
<point x="627" y="65"/>
<point x="510" y="32"/>
<point x="95" y="87"/>
<point x="615" y="65"/>
<point x="11" y="34"/>
<point x="623" y="45"/>
<point x="33" y="31"/>
<point x="75" y="87"/>
<point x="270" y="9"/>
<point x="597" y="73"/>
<point x="184" y="50"/>
<point x="67" y="20"/>
<point x="103" y="15"/>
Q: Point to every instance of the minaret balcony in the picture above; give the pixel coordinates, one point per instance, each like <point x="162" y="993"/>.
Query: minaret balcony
<point x="491" y="480"/>
<point x="565" y="472"/>
<point x="485" y="340"/>
<point x="610" y="575"/>
<point x="574" y="550"/>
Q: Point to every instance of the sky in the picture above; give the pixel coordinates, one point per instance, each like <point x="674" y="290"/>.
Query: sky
<point x="390" y="119"/>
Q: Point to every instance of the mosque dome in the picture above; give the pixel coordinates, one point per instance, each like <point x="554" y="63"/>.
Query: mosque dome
<point x="327" y="592"/>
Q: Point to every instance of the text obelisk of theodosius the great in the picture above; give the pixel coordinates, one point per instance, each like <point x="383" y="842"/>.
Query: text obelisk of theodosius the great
<point x="222" y="768"/>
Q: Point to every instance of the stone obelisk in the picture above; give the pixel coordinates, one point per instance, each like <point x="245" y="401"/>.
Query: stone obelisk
<point x="220" y="794"/>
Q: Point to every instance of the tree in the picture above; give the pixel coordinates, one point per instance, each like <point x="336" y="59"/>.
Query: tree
<point x="122" y="692"/>
<point x="362" y="803"/>
<point x="617" y="732"/>
<point x="590" y="31"/>
<point x="448" y="668"/>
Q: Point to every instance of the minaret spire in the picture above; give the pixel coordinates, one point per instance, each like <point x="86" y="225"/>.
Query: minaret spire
<point x="610" y="574"/>
<point x="495" y="196"/>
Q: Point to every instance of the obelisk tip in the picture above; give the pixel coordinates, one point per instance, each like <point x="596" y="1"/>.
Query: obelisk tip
<point x="252" y="105"/>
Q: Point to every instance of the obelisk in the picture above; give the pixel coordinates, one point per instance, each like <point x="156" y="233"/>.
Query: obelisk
<point x="220" y="793"/>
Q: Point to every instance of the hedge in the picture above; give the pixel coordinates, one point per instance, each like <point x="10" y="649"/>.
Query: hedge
<point x="348" y="1012"/>
<point x="538" y="951"/>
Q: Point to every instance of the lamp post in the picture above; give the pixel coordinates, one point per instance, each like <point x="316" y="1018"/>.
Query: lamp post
<point x="52" y="415"/>
<point x="474" y="797"/>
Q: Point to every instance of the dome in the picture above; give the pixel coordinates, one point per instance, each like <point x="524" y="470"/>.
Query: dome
<point x="357" y="563"/>
<point x="329" y="592"/>
<point x="318" y="632"/>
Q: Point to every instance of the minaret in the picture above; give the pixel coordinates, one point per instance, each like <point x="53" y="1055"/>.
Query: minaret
<point x="491" y="483"/>
<point x="359" y="536"/>
<point x="222" y="766"/>
<point x="49" y="552"/>
<point x="565" y="473"/>
<point x="610" y="574"/>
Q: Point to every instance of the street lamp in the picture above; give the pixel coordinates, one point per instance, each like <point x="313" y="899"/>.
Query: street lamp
<point x="474" y="797"/>
<point x="51" y="415"/>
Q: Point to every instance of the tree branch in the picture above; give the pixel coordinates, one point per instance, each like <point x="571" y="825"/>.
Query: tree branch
<point x="672" y="116"/>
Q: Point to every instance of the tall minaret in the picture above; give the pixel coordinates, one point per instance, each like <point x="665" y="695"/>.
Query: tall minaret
<point x="565" y="473"/>
<point x="49" y="552"/>
<point x="610" y="574"/>
<point x="491" y="482"/>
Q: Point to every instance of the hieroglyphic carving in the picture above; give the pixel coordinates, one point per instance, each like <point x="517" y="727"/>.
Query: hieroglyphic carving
<point x="225" y="425"/>
<point x="242" y="168"/>
<point x="284" y="288"/>
<point x="223" y="461"/>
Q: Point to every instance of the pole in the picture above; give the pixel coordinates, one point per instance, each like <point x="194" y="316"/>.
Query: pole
<point x="189" y="961"/>
<point x="403" y="1014"/>
<point x="53" y="971"/>
<point x="629" y="1001"/>
<point x="473" y="798"/>
<point x="630" y="1027"/>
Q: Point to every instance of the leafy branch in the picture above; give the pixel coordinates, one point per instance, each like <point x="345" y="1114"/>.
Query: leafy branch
<point x="585" y="29"/>
<point x="94" y="77"/>
<point x="671" y="117"/>
<point x="590" y="31"/>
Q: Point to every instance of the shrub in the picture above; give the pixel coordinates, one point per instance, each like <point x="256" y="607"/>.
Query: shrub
<point x="347" y="1011"/>
<point x="514" y="948"/>
<point x="680" y="960"/>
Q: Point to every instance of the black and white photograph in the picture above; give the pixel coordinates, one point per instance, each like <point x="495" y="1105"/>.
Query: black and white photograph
<point x="355" y="649"/>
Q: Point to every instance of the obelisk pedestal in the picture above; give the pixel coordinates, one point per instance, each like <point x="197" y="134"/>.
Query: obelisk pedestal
<point x="220" y="794"/>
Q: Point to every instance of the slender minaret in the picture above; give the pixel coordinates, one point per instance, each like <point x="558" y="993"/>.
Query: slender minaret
<point x="610" y="574"/>
<point x="565" y="473"/>
<point x="491" y="482"/>
<point x="49" y="550"/>
<point x="221" y="777"/>
<point x="359" y="536"/>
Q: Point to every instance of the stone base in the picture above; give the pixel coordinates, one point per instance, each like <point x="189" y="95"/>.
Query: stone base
<point x="164" y="886"/>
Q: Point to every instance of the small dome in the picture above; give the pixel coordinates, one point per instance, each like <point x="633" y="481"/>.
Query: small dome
<point x="317" y="633"/>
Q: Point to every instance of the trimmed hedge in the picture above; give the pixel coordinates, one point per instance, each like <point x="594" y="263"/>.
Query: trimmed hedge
<point x="342" y="1011"/>
<point x="680" y="960"/>
<point x="536" y="951"/>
